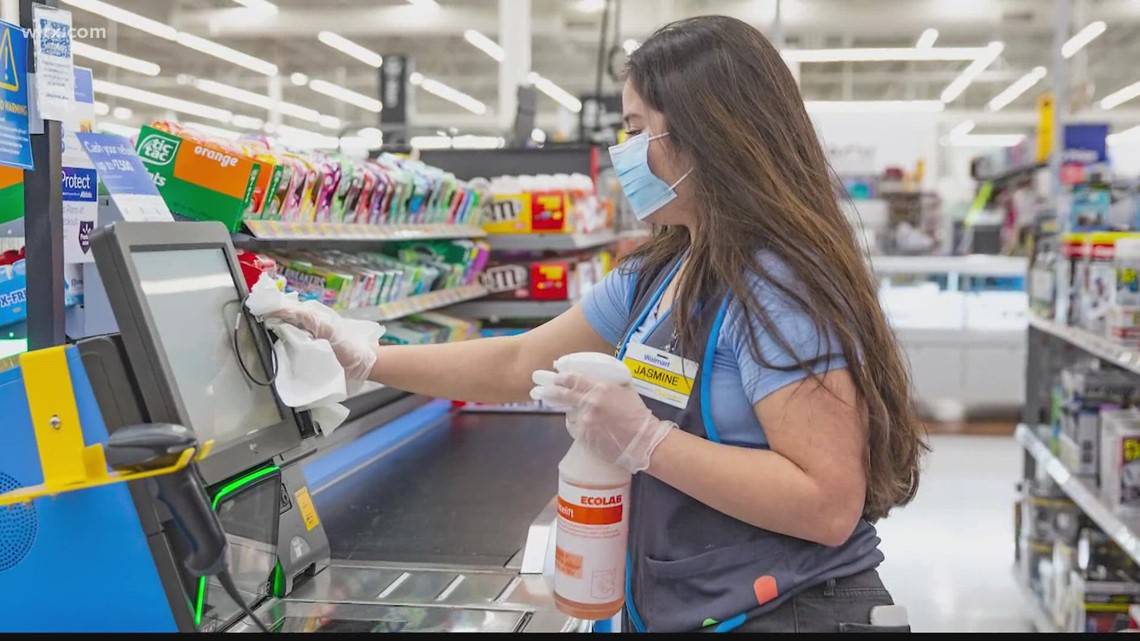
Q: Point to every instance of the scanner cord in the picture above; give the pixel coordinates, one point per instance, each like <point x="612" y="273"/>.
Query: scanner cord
<point x="241" y="361"/>
<point x="231" y="589"/>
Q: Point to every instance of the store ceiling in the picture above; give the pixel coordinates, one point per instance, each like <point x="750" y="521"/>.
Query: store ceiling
<point x="565" y="48"/>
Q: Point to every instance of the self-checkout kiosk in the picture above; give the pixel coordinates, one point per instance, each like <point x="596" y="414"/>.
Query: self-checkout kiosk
<point x="114" y="557"/>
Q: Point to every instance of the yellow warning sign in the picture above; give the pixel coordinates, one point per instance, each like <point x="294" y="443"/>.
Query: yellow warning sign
<point x="11" y="79"/>
<point x="308" y="511"/>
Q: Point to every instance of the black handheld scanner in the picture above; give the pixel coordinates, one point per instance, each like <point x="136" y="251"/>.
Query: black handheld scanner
<point x="140" y="448"/>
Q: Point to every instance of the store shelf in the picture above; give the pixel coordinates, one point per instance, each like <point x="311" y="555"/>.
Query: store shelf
<point x="974" y="265"/>
<point x="416" y="304"/>
<point x="1042" y="621"/>
<point x="550" y="242"/>
<point x="1124" y="532"/>
<point x="1098" y="346"/>
<point x="512" y="309"/>
<point x="1013" y="172"/>
<point x="272" y="230"/>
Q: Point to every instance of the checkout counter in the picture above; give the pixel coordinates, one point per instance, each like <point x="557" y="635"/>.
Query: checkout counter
<point x="410" y="517"/>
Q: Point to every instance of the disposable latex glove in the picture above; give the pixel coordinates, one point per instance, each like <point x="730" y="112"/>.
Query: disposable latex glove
<point x="610" y="421"/>
<point x="356" y="355"/>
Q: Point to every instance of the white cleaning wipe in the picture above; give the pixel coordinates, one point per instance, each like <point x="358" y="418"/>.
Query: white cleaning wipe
<point x="309" y="376"/>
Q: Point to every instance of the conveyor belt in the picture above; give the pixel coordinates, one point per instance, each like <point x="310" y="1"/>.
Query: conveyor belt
<point x="464" y="492"/>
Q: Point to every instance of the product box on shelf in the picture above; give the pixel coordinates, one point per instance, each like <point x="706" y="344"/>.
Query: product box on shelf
<point x="1087" y="391"/>
<point x="1120" y="461"/>
<point x="13" y="293"/>
<point x="544" y="204"/>
<point x="198" y="178"/>
<point x="1101" y="606"/>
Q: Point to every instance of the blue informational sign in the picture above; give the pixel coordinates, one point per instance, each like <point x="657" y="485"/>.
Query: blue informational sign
<point x="84" y="86"/>
<point x="15" y="138"/>
<point x="1086" y="144"/>
<point x="129" y="184"/>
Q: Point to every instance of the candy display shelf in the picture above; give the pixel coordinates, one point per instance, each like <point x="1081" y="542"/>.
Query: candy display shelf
<point x="416" y="304"/>
<point x="550" y="242"/>
<point x="512" y="309"/>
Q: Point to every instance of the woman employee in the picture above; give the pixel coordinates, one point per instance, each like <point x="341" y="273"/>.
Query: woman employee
<point x="755" y="493"/>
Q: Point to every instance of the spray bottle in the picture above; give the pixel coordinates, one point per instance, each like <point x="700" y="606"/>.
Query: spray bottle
<point x="593" y="512"/>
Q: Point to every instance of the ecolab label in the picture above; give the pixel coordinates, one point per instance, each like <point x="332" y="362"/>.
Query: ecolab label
<point x="593" y="527"/>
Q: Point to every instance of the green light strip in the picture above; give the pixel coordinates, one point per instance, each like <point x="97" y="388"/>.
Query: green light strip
<point x="222" y="493"/>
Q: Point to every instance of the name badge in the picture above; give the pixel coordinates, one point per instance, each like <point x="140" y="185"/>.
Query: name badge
<point x="660" y="375"/>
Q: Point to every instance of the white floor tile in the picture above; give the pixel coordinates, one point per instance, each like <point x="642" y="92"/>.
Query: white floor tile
<point x="950" y="552"/>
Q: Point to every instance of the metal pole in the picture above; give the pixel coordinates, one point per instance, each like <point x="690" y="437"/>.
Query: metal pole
<point x="1062" y="18"/>
<point x="43" y="223"/>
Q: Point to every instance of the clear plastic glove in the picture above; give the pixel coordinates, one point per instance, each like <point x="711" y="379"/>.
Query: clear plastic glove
<point x="611" y="421"/>
<point x="356" y="355"/>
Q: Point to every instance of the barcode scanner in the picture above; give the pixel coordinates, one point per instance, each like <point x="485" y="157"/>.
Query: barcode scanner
<point x="141" y="448"/>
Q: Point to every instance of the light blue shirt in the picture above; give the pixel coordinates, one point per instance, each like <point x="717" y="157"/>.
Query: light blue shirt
<point x="738" y="381"/>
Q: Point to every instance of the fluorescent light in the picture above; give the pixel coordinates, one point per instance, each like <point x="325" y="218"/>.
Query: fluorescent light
<point x="927" y="39"/>
<point x="83" y="50"/>
<point x="630" y="46"/>
<point x="560" y="95"/>
<point x="101" y="108"/>
<point x="125" y="131"/>
<point x="299" y="79"/>
<point x="485" y="44"/>
<point x="416" y="78"/>
<point x="347" y="95"/>
<point x="975" y="69"/>
<point x="257" y="100"/>
<point x="883" y="54"/>
<point x="1120" y="97"/>
<point x="451" y="94"/>
<point x="431" y="142"/>
<point x="247" y="122"/>
<point x="329" y="122"/>
<point x="294" y="137"/>
<point x="163" y="102"/>
<point x="122" y="16"/>
<point x="962" y="129"/>
<point x="210" y="130"/>
<point x="873" y="106"/>
<point x="1019" y="86"/>
<point x="478" y="142"/>
<point x="1126" y="137"/>
<point x="986" y="140"/>
<point x="223" y="52"/>
<point x="430" y="5"/>
<point x="260" y="6"/>
<point x="350" y="48"/>
<point x="123" y="113"/>
<point x="538" y="135"/>
<point x="1083" y="37"/>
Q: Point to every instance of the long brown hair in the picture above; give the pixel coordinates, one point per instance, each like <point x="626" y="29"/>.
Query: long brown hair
<point x="762" y="182"/>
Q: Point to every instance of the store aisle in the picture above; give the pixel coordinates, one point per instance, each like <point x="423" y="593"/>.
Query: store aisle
<point x="950" y="553"/>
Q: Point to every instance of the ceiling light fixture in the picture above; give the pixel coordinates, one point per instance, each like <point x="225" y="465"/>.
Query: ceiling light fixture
<point x="485" y="44"/>
<point x="329" y="122"/>
<point x="163" y="102"/>
<point x="883" y="54"/>
<point x="560" y="95"/>
<point x="260" y="6"/>
<point x="630" y="46"/>
<point x="927" y="39"/>
<point x="222" y="52"/>
<point x="448" y="93"/>
<point x="873" y="106"/>
<point x="1117" y="98"/>
<point x="343" y="94"/>
<point x="101" y="108"/>
<point x="123" y="113"/>
<point x="430" y="5"/>
<point x="1082" y="38"/>
<point x="124" y="17"/>
<point x="962" y="128"/>
<point x="971" y="73"/>
<point x="299" y="79"/>
<point x="257" y="100"/>
<point x="83" y="50"/>
<point x="1019" y="86"/>
<point x="350" y="48"/>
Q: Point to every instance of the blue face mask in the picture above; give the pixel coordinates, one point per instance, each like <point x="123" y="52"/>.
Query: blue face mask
<point x="646" y="193"/>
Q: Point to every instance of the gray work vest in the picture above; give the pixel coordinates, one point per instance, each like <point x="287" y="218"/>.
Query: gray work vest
<point x="690" y="566"/>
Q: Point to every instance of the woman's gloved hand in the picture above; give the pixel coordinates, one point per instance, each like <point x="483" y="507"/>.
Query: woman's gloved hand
<point x="611" y="421"/>
<point x="356" y="355"/>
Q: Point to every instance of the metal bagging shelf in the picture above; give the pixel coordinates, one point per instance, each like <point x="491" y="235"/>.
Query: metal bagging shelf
<point x="1123" y="531"/>
<point x="1098" y="346"/>
<point x="417" y="304"/>
<point x="550" y="242"/>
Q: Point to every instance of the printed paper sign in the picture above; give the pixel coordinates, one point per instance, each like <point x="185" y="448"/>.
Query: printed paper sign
<point x="55" y="73"/>
<point x="15" y="138"/>
<point x="127" y="181"/>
